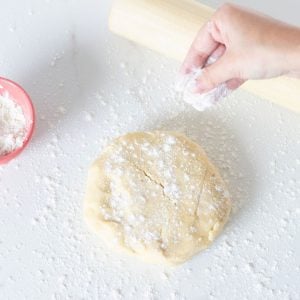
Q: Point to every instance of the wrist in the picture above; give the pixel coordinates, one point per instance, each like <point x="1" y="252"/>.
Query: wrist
<point x="292" y="55"/>
<point x="297" y="56"/>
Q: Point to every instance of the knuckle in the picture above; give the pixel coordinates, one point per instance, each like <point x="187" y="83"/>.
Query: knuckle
<point x="226" y="10"/>
<point x="239" y="73"/>
<point x="238" y="69"/>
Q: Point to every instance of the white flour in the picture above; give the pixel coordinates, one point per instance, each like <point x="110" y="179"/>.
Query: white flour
<point x="46" y="252"/>
<point x="12" y="125"/>
<point x="186" y="83"/>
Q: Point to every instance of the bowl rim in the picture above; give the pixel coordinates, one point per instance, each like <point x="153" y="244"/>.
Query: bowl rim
<point x="8" y="157"/>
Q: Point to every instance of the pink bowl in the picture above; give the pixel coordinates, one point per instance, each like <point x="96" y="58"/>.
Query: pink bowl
<point x="18" y="94"/>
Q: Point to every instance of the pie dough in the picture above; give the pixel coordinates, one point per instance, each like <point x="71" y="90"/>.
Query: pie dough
<point x="157" y="196"/>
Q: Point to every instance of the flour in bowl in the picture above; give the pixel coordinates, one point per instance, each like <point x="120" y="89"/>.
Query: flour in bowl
<point x="12" y="125"/>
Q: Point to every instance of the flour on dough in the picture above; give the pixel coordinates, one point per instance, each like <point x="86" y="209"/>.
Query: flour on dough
<point x="157" y="196"/>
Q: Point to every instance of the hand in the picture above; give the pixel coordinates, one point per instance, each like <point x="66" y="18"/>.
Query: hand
<point x="247" y="45"/>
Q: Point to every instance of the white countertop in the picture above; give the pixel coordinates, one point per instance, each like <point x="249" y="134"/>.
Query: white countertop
<point x="89" y="86"/>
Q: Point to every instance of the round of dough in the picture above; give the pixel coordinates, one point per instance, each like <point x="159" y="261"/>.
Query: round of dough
<point x="157" y="196"/>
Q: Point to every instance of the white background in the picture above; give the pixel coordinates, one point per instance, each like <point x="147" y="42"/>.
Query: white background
<point x="89" y="86"/>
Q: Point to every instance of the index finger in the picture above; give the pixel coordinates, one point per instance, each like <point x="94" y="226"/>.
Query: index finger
<point x="202" y="47"/>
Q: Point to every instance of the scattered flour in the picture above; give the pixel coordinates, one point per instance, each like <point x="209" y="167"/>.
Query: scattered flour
<point x="55" y="250"/>
<point x="12" y="125"/>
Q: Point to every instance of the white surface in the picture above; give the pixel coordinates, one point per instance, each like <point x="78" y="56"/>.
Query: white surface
<point x="89" y="86"/>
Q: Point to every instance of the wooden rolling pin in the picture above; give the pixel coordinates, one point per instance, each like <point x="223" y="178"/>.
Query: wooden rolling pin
<point x="170" y="26"/>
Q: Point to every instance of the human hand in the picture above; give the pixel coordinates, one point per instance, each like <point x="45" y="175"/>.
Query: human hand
<point x="247" y="45"/>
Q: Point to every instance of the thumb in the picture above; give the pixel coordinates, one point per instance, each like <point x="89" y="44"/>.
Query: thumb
<point x="213" y="75"/>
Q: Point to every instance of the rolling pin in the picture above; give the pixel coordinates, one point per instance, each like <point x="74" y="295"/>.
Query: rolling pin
<point x="170" y="26"/>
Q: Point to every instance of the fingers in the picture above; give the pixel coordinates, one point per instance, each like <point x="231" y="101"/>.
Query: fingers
<point x="235" y="83"/>
<point x="194" y="59"/>
<point x="203" y="46"/>
<point x="221" y="71"/>
<point x="209" y="44"/>
<point x="218" y="52"/>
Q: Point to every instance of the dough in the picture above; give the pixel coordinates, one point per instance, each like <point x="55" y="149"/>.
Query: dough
<point x="157" y="196"/>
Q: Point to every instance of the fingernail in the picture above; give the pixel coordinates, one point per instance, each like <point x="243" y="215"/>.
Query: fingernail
<point x="198" y="90"/>
<point x="184" y="70"/>
<point x="211" y="60"/>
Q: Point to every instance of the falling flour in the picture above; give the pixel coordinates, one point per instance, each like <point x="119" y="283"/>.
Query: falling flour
<point x="12" y="125"/>
<point x="187" y="83"/>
